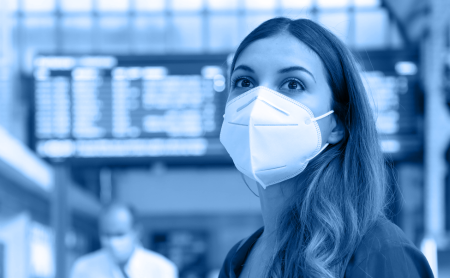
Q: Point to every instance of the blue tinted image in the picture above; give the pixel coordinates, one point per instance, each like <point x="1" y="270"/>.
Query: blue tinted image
<point x="176" y="139"/>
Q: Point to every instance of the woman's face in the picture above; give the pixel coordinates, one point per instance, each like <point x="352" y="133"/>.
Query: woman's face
<point x="286" y="65"/>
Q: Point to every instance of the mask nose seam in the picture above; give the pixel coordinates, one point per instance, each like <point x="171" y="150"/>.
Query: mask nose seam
<point x="272" y="168"/>
<point x="265" y="95"/>
<point x="241" y="96"/>
<point x="274" y="107"/>
<point x="247" y="104"/>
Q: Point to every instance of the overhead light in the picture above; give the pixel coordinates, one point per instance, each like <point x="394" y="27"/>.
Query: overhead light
<point x="406" y="68"/>
<point x="390" y="146"/>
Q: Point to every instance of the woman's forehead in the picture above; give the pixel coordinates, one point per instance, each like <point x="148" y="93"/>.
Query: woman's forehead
<point x="280" y="51"/>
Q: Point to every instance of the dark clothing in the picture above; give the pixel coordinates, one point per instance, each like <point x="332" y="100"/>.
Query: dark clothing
<point x="383" y="252"/>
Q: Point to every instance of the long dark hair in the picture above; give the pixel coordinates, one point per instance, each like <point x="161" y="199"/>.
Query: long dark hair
<point x="342" y="191"/>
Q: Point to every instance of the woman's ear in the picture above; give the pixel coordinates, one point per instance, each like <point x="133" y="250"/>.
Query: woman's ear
<point x="338" y="131"/>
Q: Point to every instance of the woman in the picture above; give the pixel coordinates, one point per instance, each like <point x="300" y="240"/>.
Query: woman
<point x="299" y="123"/>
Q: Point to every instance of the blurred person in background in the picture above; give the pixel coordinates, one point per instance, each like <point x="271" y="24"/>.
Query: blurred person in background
<point x="299" y="123"/>
<point x="122" y="255"/>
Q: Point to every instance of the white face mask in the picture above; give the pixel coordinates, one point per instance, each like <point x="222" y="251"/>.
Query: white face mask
<point x="270" y="137"/>
<point x="120" y="247"/>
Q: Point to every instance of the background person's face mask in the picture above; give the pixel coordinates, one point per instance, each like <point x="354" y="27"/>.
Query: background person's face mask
<point x="269" y="136"/>
<point x="120" y="247"/>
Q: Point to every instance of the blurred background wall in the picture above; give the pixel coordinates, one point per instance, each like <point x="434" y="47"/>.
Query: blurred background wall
<point x="106" y="100"/>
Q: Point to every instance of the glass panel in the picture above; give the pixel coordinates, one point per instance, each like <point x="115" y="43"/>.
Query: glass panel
<point x="253" y="21"/>
<point x="367" y="3"/>
<point x="186" y="34"/>
<point x="153" y="5"/>
<point x="4" y="38"/>
<point x="223" y="33"/>
<point x="370" y="29"/>
<point x="260" y="4"/>
<point x="12" y="5"/>
<point x="184" y="5"/>
<point x="38" y="6"/>
<point x="77" y="35"/>
<point x="338" y="23"/>
<point x="333" y="3"/>
<point x="14" y="39"/>
<point x="113" y="5"/>
<point x="76" y="6"/>
<point x="218" y="5"/>
<point x="149" y="34"/>
<point x="114" y="34"/>
<point x="296" y="4"/>
<point x="39" y="34"/>
<point x="298" y="13"/>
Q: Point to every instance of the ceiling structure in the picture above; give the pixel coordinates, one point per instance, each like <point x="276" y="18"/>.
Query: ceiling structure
<point x="411" y="16"/>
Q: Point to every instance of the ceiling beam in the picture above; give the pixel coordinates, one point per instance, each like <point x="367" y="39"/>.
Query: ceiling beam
<point x="412" y="17"/>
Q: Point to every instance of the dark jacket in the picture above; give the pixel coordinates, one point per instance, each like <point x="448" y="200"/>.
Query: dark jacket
<point x="383" y="252"/>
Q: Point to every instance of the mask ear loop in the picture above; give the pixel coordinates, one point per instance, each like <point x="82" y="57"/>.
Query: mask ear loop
<point x="315" y="120"/>
<point x="243" y="178"/>
<point x="323" y="116"/>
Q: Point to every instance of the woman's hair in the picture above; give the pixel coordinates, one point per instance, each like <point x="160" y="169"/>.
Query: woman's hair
<point x="342" y="191"/>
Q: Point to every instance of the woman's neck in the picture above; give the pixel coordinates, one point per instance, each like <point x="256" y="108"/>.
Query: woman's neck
<point x="273" y="202"/>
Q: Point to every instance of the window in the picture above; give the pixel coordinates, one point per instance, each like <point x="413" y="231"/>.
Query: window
<point x="39" y="34"/>
<point x="76" y="6"/>
<point x="260" y="5"/>
<point x="149" y="34"/>
<point x="12" y="5"/>
<point x="371" y="29"/>
<point x="336" y="22"/>
<point x="113" y="5"/>
<point x="366" y="3"/>
<point x="296" y="4"/>
<point x="220" y="5"/>
<point x="190" y="26"/>
<point x="185" y="34"/>
<point x="333" y="3"/>
<point x="223" y="33"/>
<point x="183" y="5"/>
<point x="150" y="6"/>
<point x="298" y="13"/>
<point x="77" y="34"/>
<point x="38" y="6"/>
<point x="114" y="35"/>
<point x="252" y="21"/>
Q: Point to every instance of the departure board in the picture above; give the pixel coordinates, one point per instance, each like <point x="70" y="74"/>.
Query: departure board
<point x="104" y="106"/>
<point x="171" y="106"/>
<point x="391" y="80"/>
<point x="5" y="94"/>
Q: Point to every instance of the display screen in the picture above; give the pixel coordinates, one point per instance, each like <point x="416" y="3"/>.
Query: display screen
<point x="106" y="107"/>
<point x="391" y="80"/>
<point x="156" y="107"/>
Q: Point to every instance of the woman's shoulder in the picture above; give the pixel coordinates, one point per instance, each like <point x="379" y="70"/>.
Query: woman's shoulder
<point x="227" y="266"/>
<point x="385" y="251"/>
<point x="237" y="255"/>
<point x="383" y="235"/>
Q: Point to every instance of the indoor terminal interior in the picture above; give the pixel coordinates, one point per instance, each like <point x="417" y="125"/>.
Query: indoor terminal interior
<point x="122" y="101"/>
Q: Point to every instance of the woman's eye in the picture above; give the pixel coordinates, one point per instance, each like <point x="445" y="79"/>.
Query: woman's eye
<point x="292" y="85"/>
<point x="244" y="83"/>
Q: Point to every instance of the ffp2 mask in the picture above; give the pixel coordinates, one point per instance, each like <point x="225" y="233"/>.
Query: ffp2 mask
<point x="269" y="136"/>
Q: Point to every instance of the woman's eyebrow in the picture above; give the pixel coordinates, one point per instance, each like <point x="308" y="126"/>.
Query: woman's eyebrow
<point x="244" y="67"/>
<point x="294" y="68"/>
